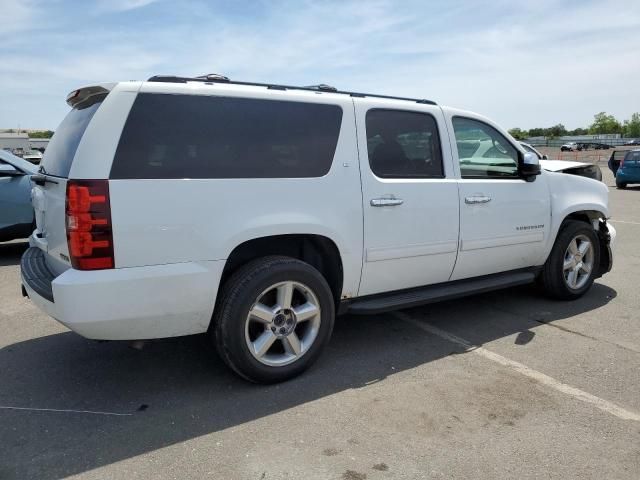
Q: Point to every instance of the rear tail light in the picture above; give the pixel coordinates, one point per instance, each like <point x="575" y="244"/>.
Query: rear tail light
<point x="89" y="234"/>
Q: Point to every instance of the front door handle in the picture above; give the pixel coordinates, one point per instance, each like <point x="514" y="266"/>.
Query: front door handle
<point x="386" y="202"/>
<point x="475" y="199"/>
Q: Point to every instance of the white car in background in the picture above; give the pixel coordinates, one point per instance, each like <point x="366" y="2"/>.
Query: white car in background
<point x="33" y="156"/>
<point x="582" y="169"/>
<point x="569" y="147"/>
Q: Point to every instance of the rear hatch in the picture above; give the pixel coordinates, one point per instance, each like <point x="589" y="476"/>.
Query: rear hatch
<point x="50" y="184"/>
<point x="632" y="162"/>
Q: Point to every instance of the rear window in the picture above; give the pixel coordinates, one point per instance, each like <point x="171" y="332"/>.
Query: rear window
<point x="189" y="136"/>
<point x="59" y="154"/>
<point x="632" y="157"/>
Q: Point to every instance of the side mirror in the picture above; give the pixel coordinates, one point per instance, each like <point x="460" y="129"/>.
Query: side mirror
<point x="530" y="167"/>
<point x="544" y="157"/>
<point x="7" y="170"/>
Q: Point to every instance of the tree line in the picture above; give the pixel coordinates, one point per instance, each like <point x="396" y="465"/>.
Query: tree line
<point x="602" y="123"/>
<point x="32" y="134"/>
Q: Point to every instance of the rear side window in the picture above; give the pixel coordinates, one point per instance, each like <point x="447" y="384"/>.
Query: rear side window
<point x="403" y="144"/>
<point x="59" y="154"/>
<point x="189" y="136"/>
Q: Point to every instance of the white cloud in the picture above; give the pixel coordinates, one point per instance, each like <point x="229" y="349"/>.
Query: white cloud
<point x="17" y="15"/>
<point x="122" y="5"/>
<point x="524" y="64"/>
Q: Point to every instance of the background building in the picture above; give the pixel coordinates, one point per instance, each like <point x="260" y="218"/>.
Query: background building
<point x="14" y="141"/>
<point x="19" y="143"/>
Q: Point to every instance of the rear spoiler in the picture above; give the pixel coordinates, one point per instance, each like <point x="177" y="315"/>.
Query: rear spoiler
<point x="81" y="94"/>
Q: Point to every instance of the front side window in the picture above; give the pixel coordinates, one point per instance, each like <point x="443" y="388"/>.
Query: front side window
<point x="190" y="136"/>
<point x="403" y="144"/>
<point x="483" y="151"/>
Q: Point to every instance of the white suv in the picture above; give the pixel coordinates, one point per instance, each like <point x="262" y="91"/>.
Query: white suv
<point x="257" y="213"/>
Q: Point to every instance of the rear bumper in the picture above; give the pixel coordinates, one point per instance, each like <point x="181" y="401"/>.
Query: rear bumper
<point x="127" y="303"/>
<point x="626" y="177"/>
<point x="36" y="274"/>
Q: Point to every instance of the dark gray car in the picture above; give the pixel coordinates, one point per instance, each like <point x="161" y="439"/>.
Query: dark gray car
<point x="16" y="212"/>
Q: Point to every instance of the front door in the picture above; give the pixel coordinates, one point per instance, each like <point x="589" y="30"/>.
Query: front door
<point x="410" y="196"/>
<point x="504" y="220"/>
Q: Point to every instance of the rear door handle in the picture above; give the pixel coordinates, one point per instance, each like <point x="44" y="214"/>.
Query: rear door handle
<point x="475" y="199"/>
<point x="386" y="202"/>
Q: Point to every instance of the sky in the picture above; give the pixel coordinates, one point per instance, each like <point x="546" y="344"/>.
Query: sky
<point x="522" y="63"/>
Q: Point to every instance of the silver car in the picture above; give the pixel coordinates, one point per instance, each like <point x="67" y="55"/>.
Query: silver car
<point x="16" y="212"/>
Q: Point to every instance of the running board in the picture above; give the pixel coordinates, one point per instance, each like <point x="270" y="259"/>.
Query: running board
<point x="436" y="293"/>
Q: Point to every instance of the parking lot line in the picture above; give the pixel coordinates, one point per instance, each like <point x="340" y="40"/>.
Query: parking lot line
<point x="540" y="377"/>
<point x="56" y="410"/>
<point x="624" y="221"/>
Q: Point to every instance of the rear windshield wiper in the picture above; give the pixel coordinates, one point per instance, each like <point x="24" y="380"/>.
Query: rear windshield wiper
<point x="41" y="178"/>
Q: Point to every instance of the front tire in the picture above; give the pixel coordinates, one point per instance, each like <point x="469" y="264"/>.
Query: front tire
<point x="274" y="318"/>
<point x="572" y="265"/>
<point x="621" y="185"/>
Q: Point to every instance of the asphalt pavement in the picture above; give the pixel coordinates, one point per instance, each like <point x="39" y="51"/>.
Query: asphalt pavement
<point x="507" y="384"/>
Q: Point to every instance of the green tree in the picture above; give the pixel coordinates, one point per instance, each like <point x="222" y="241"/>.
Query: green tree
<point x="632" y="126"/>
<point x="603" y="123"/>
<point x="556" y="131"/>
<point x="41" y="134"/>
<point x="518" y="133"/>
<point x="537" y="132"/>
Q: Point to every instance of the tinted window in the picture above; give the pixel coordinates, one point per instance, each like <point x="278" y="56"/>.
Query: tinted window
<point x="403" y="144"/>
<point x="483" y="151"/>
<point x="59" y="154"/>
<point x="188" y="136"/>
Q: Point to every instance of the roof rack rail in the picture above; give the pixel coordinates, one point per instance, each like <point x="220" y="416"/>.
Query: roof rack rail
<point x="321" y="88"/>
<point x="214" y="76"/>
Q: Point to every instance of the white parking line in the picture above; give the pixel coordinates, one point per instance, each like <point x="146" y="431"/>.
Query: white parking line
<point x="623" y="221"/>
<point x="65" y="411"/>
<point x="576" y="393"/>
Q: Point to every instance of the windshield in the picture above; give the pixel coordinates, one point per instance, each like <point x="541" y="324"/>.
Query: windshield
<point x="531" y="150"/>
<point x="59" y="154"/>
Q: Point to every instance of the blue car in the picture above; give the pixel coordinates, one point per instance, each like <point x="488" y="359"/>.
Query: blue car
<point x="16" y="212"/>
<point x="629" y="169"/>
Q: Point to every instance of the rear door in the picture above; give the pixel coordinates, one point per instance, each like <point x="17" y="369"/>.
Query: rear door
<point x="49" y="194"/>
<point x="615" y="159"/>
<point x="410" y="196"/>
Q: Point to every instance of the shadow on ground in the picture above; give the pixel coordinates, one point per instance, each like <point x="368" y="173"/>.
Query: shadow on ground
<point x="10" y="253"/>
<point x="177" y="389"/>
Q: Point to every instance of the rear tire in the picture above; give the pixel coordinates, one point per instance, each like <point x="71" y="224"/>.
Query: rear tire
<point x="274" y="317"/>
<point x="572" y="265"/>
